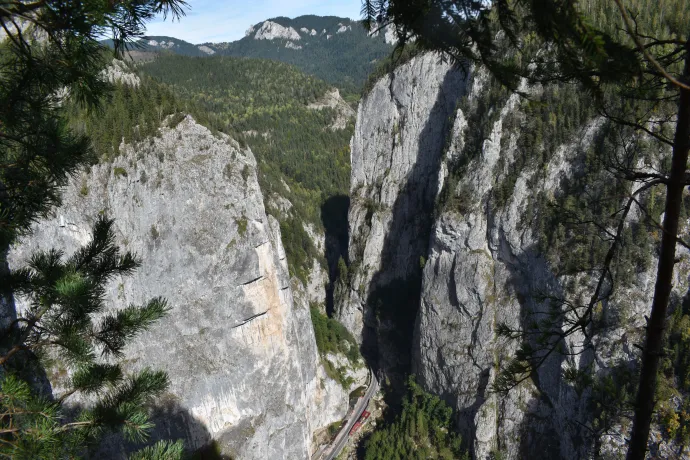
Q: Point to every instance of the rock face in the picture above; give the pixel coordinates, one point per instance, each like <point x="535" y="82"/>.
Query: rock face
<point x="343" y="28"/>
<point x="396" y="150"/>
<point x="480" y="264"/>
<point x="333" y="100"/>
<point x="240" y="354"/>
<point x="162" y="44"/>
<point x="118" y="71"/>
<point x="389" y="34"/>
<point x="270" y="30"/>
<point x="292" y="46"/>
<point x="206" y="49"/>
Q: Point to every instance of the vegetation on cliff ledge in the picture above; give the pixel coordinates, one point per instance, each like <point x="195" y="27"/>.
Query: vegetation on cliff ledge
<point x="333" y="338"/>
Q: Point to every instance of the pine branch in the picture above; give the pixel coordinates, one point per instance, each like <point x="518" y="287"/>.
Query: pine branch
<point x="50" y="47"/>
<point x="525" y="363"/>
<point x="162" y="450"/>
<point x="116" y="330"/>
<point x="94" y="378"/>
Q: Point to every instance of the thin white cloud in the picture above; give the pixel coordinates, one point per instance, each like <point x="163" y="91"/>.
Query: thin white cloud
<point x="213" y="20"/>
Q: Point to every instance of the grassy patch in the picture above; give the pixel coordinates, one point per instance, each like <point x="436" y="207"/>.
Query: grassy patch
<point x="119" y="172"/>
<point x="332" y="337"/>
<point x="241" y="225"/>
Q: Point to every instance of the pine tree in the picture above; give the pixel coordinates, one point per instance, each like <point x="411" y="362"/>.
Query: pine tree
<point x="50" y="56"/>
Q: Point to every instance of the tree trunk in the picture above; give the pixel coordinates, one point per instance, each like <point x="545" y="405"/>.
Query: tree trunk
<point x="644" y="405"/>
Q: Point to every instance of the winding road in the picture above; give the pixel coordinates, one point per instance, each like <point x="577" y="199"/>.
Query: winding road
<point x="344" y="435"/>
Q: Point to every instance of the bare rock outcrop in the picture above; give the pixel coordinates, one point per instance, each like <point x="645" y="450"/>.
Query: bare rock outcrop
<point x="270" y="30"/>
<point x="396" y="150"/>
<point x="240" y="354"/>
<point x="333" y="100"/>
<point x="119" y="71"/>
<point x="459" y="268"/>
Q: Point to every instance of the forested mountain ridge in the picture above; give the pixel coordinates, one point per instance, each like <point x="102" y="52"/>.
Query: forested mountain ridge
<point x="337" y="50"/>
<point x="161" y="44"/>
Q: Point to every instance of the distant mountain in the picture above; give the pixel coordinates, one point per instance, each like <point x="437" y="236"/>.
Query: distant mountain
<point x="337" y="50"/>
<point x="170" y="44"/>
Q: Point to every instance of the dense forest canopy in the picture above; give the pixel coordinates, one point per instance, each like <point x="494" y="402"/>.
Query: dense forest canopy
<point x="422" y="430"/>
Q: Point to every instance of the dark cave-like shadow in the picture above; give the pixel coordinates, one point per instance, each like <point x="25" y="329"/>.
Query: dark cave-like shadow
<point x="25" y="363"/>
<point x="175" y="422"/>
<point x="528" y="288"/>
<point x="334" y="218"/>
<point x="8" y="310"/>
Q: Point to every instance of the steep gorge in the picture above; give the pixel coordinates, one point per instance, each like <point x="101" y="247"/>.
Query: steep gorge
<point x="396" y="156"/>
<point x="453" y="233"/>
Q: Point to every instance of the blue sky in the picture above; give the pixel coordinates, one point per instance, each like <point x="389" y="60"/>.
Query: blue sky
<point x="227" y="20"/>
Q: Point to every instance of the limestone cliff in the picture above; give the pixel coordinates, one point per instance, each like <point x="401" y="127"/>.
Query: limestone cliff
<point x="397" y="152"/>
<point x="459" y="263"/>
<point x="240" y="354"/>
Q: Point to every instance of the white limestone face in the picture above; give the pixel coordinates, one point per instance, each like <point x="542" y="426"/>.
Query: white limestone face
<point x="390" y="36"/>
<point x="239" y="351"/>
<point x="118" y="71"/>
<point x="395" y="150"/>
<point x="270" y="30"/>
<point x="343" y="28"/>
<point x="293" y="46"/>
<point x="333" y="100"/>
